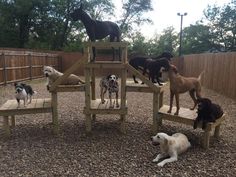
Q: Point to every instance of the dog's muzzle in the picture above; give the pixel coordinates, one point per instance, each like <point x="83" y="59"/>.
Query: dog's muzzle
<point x="154" y="143"/>
<point x="46" y="74"/>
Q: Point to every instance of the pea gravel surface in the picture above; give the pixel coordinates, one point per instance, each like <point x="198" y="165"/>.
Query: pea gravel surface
<point x="33" y="150"/>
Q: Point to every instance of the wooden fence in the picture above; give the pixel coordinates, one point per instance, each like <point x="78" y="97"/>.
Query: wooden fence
<point x="24" y="65"/>
<point x="219" y="70"/>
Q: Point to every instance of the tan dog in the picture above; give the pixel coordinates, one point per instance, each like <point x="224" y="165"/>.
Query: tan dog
<point x="180" y="84"/>
<point x="170" y="146"/>
<point x="52" y="75"/>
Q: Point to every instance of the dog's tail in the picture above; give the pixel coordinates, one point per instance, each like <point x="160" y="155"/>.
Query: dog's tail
<point x="200" y="76"/>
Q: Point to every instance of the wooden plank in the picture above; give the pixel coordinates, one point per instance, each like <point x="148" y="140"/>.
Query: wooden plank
<point x="36" y="106"/>
<point x="189" y="119"/>
<point x="105" y="65"/>
<point x="133" y="87"/>
<point x="70" y="88"/>
<point x="106" y="45"/>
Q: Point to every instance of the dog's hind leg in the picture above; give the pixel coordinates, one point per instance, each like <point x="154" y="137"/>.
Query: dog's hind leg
<point x="171" y="101"/>
<point x="135" y="81"/>
<point x="117" y="104"/>
<point x="191" y="93"/>
<point x="111" y="104"/>
<point x="177" y="104"/>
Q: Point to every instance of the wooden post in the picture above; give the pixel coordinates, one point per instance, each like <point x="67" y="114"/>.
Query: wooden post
<point x="4" y="69"/>
<point x="30" y="66"/>
<point x="13" y="121"/>
<point x="206" y="139"/>
<point x="54" y="113"/>
<point x="93" y="95"/>
<point x="6" y="126"/>
<point x="156" y="116"/>
<point x="88" y="123"/>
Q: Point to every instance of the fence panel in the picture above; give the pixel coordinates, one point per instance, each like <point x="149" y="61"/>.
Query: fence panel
<point x="24" y="65"/>
<point x="219" y="70"/>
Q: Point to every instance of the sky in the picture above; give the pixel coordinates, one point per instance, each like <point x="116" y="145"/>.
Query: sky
<point x="164" y="13"/>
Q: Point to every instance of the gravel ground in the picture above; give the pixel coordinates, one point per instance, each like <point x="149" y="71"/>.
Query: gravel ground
<point x="32" y="150"/>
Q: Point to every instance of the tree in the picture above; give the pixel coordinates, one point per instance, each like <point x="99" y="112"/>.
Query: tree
<point x="167" y="41"/>
<point x="222" y="24"/>
<point x="133" y="11"/>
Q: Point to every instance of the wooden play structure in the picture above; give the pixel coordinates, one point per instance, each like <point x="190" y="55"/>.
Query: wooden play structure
<point x="93" y="105"/>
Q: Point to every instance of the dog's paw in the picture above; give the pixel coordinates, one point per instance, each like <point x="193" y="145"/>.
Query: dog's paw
<point x="160" y="164"/>
<point x="155" y="160"/>
<point x="103" y="101"/>
<point x="117" y="105"/>
<point x="169" y="111"/>
<point x="176" y="113"/>
<point x="111" y="106"/>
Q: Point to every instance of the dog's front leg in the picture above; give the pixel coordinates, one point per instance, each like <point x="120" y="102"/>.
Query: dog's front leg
<point x="171" y="159"/>
<point x="191" y="93"/>
<point x="18" y="103"/>
<point x="159" y="156"/>
<point x="177" y="103"/>
<point x="117" y="104"/>
<point x="171" y="101"/>
<point x="111" y="105"/>
<point x="102" y="96"/>
<point x="25" y="101"/>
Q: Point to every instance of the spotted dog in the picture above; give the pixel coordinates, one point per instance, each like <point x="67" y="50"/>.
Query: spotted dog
<point x="109" y="83"/>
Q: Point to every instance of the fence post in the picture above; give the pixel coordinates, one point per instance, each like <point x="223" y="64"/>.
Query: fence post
<point x="4" y="69"/>
<point x="30" y="66"/>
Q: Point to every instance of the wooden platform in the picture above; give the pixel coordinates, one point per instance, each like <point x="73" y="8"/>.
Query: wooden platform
<point x="36" y="106"/>
<point x="10" y="109"/>
<point x="98" y="108"/>
<point x="187" y="116"/>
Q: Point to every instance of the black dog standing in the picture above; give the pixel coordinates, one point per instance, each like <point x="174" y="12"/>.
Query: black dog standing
<point x="207" y="112"/>
<point x="97" y="29"/>
<point x="141" y="62"/>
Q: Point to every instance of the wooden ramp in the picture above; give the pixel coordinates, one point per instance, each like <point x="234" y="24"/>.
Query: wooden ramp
<point x="187" y="116"/>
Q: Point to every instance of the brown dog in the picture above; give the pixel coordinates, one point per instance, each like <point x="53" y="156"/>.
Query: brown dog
<point x="180" y="84"/>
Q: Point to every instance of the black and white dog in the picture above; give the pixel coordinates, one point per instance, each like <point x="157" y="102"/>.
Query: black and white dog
<point x="109" y="83"/>
<point x="23" y="92"/>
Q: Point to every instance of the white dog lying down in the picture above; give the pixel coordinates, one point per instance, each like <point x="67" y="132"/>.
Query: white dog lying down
<point x="170" y="146"/>
<point x="52" y="75"/>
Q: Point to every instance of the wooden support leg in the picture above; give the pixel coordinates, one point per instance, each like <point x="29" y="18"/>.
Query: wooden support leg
<point x="13" y="121"/>
<point x="55" y="113"/>
<point x="6" y="126"/>
<point x="156" y="116"/>
<point x="88" y="123"/>
<point x="122" y="124"/>
<point x="217" y="131"/>
<point x="206" y="139"/>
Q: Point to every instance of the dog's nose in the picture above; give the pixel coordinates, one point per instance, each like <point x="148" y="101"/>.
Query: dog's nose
<point x="151" y="138"/>
<point x="46" y="74"/>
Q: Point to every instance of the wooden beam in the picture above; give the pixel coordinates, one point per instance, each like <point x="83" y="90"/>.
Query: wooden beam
<point x="106" y="45"/>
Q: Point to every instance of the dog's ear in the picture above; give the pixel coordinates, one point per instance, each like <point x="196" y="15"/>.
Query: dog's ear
<point x="15" y="84"/>
<point x="108" y="76"/>
<point x="116" y="77"/>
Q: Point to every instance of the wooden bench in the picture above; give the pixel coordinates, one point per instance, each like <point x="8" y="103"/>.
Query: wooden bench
<point x="10" y="109"/>
<point x="187" y="116"/>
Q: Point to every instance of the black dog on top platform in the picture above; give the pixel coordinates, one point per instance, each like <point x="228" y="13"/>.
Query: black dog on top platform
<point x="97" y="29"/>
<point x="140" y="62"/>
<point x="207" y="112"/>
